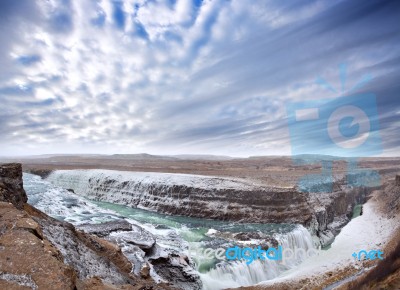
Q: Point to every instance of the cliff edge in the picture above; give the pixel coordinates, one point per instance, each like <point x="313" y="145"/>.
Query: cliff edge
<point x="11" y="185"/>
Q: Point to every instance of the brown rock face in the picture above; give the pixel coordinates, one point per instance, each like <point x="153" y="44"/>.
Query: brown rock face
<point x="28" y="260"/>
<point x="11" y="185"/>
<point x="397" y="180"/>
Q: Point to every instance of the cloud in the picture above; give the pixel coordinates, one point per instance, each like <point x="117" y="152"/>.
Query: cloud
<point x="184" y="76"/>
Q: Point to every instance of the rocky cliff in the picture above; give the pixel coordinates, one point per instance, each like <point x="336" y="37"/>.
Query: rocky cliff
<point x="332" y="211"/>
<point x="39" y="252"/>
<point x="11" y="189"/>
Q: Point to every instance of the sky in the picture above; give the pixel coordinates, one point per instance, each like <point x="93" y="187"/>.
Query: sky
<point x="190" y="77"/>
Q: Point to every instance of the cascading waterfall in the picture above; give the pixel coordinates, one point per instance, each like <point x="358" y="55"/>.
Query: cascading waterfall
<point x="238" y="273"/>
<point x="68" y="180"/>
<point x="108" y="186"/>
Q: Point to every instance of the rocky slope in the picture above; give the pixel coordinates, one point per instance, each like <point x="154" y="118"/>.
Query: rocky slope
<point x="39" y="252"/>
<point x="386" y="274"/>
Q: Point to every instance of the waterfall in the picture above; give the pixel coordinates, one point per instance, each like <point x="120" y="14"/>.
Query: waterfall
<point x="126" y="188"/>
<point x="77" y="180"/>
<point x="238" y="273"/>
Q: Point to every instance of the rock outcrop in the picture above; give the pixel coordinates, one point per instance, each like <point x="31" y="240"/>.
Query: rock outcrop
<point x="397" y="180"/>
<point x="11" y="185"/>
<point x="390" y="198"/>
<point x="332" y="211"/>
<point x="137" y="236"/>
<point x="142" y="250"/>
<point x="176" y="268"/>
<point x="104" y="229"/>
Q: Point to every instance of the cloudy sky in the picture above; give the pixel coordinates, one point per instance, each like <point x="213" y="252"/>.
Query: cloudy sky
<point x="187" y="76"/>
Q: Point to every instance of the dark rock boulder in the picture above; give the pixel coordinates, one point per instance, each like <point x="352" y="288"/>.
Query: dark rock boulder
<point x="255" y="239"/>
<point x="247" y="236"/>
<point x="397" y="180"/>
<point x="104" y="229"/>
<point x="11" y="185"/>
<point x="177" y="268"/>
<point x="271" y="241"/>
<point x="136" y="236"/>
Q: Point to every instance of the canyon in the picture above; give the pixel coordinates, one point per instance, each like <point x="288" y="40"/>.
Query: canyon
<point x="127" y="256"/>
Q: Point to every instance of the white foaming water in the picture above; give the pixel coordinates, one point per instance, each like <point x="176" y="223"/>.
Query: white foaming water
<point x="62" y="204"/>
<point x="129" y="188"/>
<point x="238" y="273"/>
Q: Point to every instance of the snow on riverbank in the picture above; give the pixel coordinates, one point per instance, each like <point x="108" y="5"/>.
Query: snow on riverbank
<point x="367" y="232"/>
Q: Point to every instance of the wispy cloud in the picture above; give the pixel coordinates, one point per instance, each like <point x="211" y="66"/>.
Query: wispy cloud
<point x="184" y="76"/>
